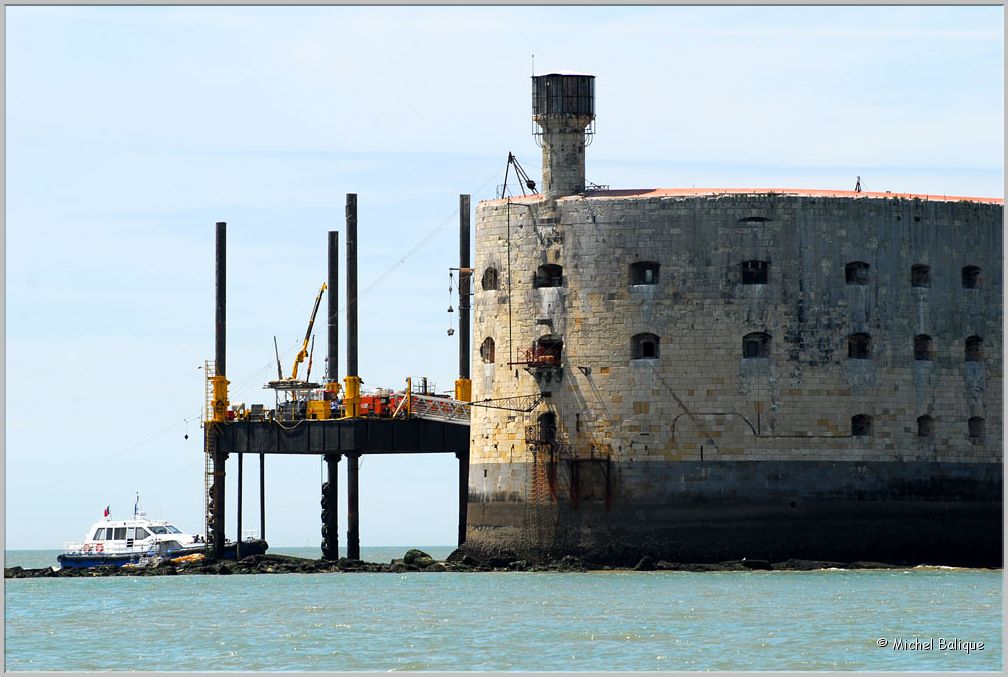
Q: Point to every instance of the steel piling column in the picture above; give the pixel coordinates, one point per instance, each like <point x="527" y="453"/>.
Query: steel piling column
<point x="218" y="496"/>
<point x="330" y="509"/>
<point x="463" y="493"/>
<point x="465" y="392"/>
<point x="353" y="526"/>
<point x="221" y="333"/>
<point x="262" y="497"/>
<point x="241" y="458"/>
<point x="334" y="305"/>
<point x="220" y="365"/>
<point x="351" y="280"/>
<point x="464" y="286"/>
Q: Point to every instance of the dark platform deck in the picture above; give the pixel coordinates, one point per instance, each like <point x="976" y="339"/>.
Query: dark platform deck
<point x="355" y="436"/>
<point x="334" y="440"/>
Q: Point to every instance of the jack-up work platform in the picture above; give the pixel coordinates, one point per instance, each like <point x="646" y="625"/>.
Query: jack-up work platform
<point x="349" y="436"/>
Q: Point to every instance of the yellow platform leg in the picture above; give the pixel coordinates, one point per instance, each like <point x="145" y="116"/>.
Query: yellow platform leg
<point x="351" y="396"/>
<point x="463" y="390"/>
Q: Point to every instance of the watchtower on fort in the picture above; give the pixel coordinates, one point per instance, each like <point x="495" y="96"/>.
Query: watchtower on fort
<point x="563" y="108"/>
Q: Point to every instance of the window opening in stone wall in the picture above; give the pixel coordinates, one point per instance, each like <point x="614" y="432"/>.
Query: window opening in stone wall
<point x="971" y="277"/>
<point x="974" y="349"/>
<point x="920" y="275"/>
<point x="644" y="346"/>
<point x="922" y="347"/>
<point x="547" y="351"/>
<point x="925" y="426"/>
<point x="548" y="275"/>
<point x="755" y="272"/>
<point x="547" y="427"/>
<point x="644" y="272"/>
<point x="490" y="279"/>
<point x="756" y="344"/>
<point x="487" y="350"/>
<point x="861" y="425"/>
<point x="859" y="346"/>
<point x="976" y="430"/>
<point x="856" y="272"/>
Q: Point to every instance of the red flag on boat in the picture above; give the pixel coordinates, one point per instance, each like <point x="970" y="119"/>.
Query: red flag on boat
<point x="106" y="511"/>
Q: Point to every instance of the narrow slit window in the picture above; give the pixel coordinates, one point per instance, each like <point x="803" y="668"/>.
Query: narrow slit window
<point x="859" y="346"/>
<point x="861" y="425"/>
<point x="487" y="350"/>
<point x="925" y="426"/>
<point x="547" y="427"/>
<point x="548" y="275"/>
<point x="920" y="275"/>
<point x="645" y="346"/>
<point x="490" y="279"/>
<point x="976" y="430"/>
<point x="971" y="277"/>
<point x="974" y="349"/>
<point x="755" y="272"/>
<point x="644" y="272"/>
<point x="756" y="345"/>
<point x="856" y="272"/>
<point x="922" y="347"/>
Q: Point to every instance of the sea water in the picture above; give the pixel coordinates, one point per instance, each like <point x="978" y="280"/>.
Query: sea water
<point x="929" y="618"/>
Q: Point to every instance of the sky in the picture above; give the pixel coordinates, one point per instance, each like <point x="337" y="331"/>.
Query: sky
<point x="131" y="130"/>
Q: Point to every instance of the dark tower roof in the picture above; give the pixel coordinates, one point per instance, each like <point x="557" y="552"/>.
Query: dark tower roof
<point x="563" y="94"/>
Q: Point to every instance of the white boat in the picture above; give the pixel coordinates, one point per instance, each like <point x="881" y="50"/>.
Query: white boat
<point x="130" y="541"/>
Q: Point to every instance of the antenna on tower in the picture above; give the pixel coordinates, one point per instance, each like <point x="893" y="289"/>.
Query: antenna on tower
<point x="533" y="64"/>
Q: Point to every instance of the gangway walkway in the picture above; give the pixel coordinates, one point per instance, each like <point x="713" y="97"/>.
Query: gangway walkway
<point x="413" y="405"/>
<point x="434" y="408"/>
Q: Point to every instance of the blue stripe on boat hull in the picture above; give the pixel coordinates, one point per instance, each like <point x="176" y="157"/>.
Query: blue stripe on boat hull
<point x="91" y="560"/>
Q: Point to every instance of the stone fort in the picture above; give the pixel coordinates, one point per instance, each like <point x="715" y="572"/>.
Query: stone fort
<point x="727" y="373"/>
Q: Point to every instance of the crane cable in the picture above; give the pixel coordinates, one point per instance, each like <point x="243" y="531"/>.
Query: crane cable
<point x="247" y="381"/>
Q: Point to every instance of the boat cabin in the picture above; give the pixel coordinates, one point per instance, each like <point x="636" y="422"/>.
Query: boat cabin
<point x="134" y="534"/>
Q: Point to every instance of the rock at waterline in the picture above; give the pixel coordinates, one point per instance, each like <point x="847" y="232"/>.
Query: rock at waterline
<point x="417" y="558"/>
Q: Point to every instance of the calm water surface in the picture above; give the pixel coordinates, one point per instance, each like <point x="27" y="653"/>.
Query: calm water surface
<point x="824" y="620"/>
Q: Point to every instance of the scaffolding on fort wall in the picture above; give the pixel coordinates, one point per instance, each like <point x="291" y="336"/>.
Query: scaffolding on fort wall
<point x="558" y="463"/>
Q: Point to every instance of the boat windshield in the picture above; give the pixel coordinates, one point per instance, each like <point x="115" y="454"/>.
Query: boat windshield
<point x="173" y="530"/>
<point x="158" y="529"/>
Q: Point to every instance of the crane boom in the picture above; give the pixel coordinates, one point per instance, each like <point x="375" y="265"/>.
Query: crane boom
<point x="277" y="351"/>
<point x="304" y="347"/>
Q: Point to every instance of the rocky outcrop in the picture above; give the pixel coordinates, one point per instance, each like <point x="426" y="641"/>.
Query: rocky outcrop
<point x="419" y="561"/>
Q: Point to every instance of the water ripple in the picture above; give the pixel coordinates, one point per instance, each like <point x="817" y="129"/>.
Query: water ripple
<point x="503" y="622"/>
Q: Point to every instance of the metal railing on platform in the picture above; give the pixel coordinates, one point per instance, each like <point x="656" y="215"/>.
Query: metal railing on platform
<point x="433" y="408"/>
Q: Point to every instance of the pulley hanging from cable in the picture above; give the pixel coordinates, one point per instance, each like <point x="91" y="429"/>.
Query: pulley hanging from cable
<point x="523" y="178"/>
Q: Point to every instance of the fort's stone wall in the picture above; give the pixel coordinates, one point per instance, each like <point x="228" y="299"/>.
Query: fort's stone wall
<point x="653" y="453"/>
<point x="700" y="392"/>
